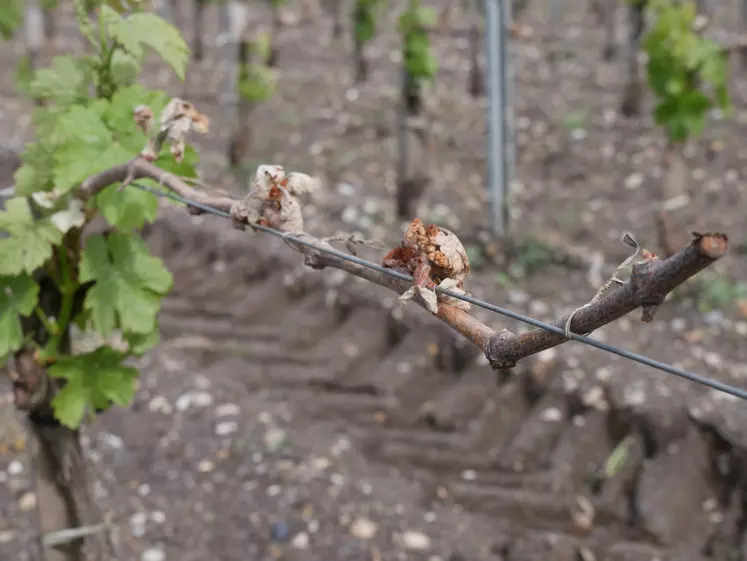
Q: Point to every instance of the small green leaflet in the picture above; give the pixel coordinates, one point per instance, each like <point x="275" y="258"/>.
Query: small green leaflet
<point x="94" y="380"/>
<point x="18" y="297"/>
<point x="125" y="68"/>
<point x="130" y="283"/>
<point x="66" y="82"/>
<point x="30" y="242"/>
<point x="146" y="29"/>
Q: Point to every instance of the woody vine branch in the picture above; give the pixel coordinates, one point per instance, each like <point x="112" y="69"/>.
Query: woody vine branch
<point x="651" y="280"/>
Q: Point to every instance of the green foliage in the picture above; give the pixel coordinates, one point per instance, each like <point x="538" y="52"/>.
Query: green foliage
<point x="419" y="61"/>
<point x="85" y="126"/>
<point x="129" y="284"/>
<point x="688" y="73"/>
<point x="137" y="31"/>
<point x="12" y="12"/>
<point x="575" y="120"/>
<point x="532" y="256"/>
<point x="66" y="82"/>
<point x="11" y="17"/>
<point x="257" y="81"/>
<point x="92" y="381"/>
<point x="18" y="297"/>
<point x="718" y="292"/>
<point x="364" y="19"/>
<point x="85" y="145"/>
<point x="30" y="240"/>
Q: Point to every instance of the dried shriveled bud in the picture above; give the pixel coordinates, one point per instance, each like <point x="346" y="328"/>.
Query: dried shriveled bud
<point x="434" y="257"/>
<point x="301" y="184"/>
<point x="177" y="119"/>
<point x="273" y="200"/>
<point x="265" y="177"/>
<point x="441" y="247"/>
<point x="282" y="211"/>
<point x="143" y="116"/>
<point x="402" y="258"/>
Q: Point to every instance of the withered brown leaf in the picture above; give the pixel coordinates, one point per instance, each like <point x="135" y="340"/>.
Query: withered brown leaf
<point x="434" y="257"/>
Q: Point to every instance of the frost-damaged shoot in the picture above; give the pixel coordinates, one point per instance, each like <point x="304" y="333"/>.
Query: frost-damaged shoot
<point x="273" y="200"/>
<point x="435" y="258"/>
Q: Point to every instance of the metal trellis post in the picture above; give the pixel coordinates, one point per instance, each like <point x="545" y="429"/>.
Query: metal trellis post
<point x="34" y="30"/>
<point x="233" y="17"/>
<point x="498" y="150"/>
<point x="554" y="11"/>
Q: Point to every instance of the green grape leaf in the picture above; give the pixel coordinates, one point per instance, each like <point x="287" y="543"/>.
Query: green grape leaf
<point x="257" y="84"/>
<point x="147" y="29"/>
<point x="35" y="174"/>
<point x="66" y="82"/>
<point x="365" y="29"/>
<point x="18" y="297"/>
<point x="69" y="404"/>
<point x="687" y="72"/>
<point x="93" y="380"/>
<point x="87" y="146"/>
<point x="364" y="18"/>
<point x="694" y="103"/>
<point x="139" y="344"/>
<point x="30" y="242"/>
<point x="11" y="18"/>
<point x="186" y="168"/>
<point x="714" y="69"/>
<point x="263" y="46"/>
<point x="119" y="113"/>
<point x="128" y="209"/>
<point x="45" y="120"/>
<point x="129" y="284"/>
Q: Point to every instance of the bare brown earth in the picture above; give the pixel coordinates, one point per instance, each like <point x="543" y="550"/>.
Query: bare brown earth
<point x="293" y="414"/>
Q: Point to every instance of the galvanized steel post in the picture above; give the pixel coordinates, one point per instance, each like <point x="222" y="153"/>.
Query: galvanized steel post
<point x="34" y="30"/>
<point x="499" y="150"/>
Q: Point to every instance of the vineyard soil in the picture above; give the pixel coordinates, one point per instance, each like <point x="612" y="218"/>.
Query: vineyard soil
<point x="291" y="414"/>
